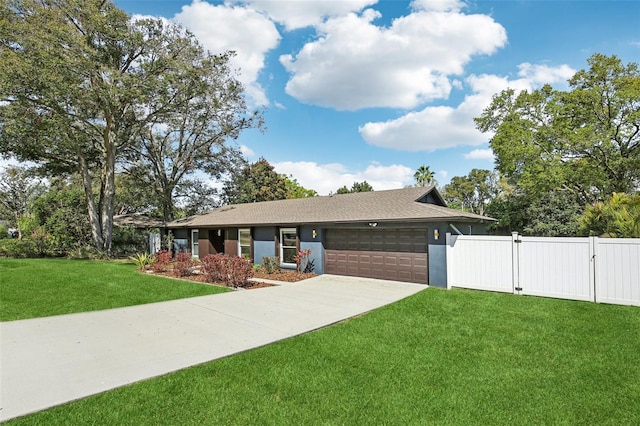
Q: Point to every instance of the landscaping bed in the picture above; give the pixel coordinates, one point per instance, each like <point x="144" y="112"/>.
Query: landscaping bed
<point x="289" y="276"/>
<point x="283" y="275"/>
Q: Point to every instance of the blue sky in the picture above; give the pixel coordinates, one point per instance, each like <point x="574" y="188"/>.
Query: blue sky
<point x="370" y="90"/>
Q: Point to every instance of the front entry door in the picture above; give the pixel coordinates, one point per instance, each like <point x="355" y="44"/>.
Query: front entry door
<point x="216" y="236"/>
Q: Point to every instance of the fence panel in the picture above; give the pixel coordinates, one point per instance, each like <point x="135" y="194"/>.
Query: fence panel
<point x="556" y="267"/>
<point x="618" y="271"/>
<point x="480" y="262"/>
<point x="604" y="270"/>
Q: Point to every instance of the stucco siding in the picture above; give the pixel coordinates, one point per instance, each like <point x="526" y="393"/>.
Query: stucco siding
<point x="438" y="265"/>
<point x="316" y="256"/>
<point x="263" y="243"/>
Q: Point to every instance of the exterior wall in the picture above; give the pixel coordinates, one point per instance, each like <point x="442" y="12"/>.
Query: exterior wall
<point x="264" y="243"/>
<point x="315" y="244"/>
<point x="437" y="254"/>
<point x="204" y="245"/>
<point x="466" y="228"/>
<point x="231" y="242"/>
<point x="180" y="233"/>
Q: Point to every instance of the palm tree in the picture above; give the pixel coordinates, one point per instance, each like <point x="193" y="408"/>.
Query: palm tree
<point x="424" y="176"/>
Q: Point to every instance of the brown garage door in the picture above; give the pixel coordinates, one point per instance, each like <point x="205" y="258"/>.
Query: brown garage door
<point x="390" y="254"/>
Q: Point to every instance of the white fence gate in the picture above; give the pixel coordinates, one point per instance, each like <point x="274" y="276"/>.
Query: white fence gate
<point x="590" y="269"/>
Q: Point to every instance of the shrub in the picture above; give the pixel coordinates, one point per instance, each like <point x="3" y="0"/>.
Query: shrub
<point x="142" y="260"/>
<point x="232" y="271"/>
<point x="213" y="267"/>
<point x="128" y="241"/>
<point x="185" y="265"/>
<point x="617" y="217"/>
<point x="239" y="271"/>
<point x="13" y="247"/>
<point x="270" y="264"/>
<point x="43" y="241"/>
<point x="162" y="260"/>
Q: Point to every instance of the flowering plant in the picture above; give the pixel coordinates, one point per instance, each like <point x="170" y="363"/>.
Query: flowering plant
<point x="302" y="261"/>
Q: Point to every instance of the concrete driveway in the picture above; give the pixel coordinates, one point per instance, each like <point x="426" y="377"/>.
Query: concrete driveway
<point x="49" y="361"/>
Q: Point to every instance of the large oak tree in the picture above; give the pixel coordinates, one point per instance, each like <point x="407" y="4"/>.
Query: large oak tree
<point x="82" y="87"/>
<point x="585" y="140"/>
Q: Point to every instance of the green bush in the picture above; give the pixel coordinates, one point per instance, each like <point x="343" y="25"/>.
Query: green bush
<point x="617" y="217"/>
<point x="13" y="247"/>
<point x="270" y="264"/>
<point x="142" y="260"/>
<point x="62" y="214"/>
<point x="128" y="241"/>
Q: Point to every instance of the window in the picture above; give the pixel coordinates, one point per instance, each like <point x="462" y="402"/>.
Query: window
<point x="244" y="243"/>
<point x="194" y="243"/>
<point x="288" y="246"/>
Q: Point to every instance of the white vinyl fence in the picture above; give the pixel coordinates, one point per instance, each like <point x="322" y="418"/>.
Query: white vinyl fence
<point x="603" y="270"/>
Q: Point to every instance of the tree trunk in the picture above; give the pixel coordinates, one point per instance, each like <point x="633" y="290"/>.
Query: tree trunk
<point x="167" y="204"/>
<point x="94" y="218"/>
<point x="107" y="196"/>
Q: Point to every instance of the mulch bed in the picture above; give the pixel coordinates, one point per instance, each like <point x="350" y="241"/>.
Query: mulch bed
<point x="283" y="275"/>
<point x="279" y="275"/>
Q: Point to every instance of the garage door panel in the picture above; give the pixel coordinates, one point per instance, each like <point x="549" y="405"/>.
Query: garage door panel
<point x="421" y="261"/>
<point x="420" y="278"/>
<point x="390" y="261"/>
<point x="394" y="266"/>
<point x="405" y="261"/>
<point x="393" y="254"/>
<point x="404" y="275"/>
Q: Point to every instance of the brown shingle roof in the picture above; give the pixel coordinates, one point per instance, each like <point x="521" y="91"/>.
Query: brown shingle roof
<point x="398" y="205"/>
<point x="137" y="220"/>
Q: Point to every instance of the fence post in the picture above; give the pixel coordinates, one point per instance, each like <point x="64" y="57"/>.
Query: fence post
<point x="447" y="258"/>
<point x="515" y="263"/>
<point x="593" y="271"/>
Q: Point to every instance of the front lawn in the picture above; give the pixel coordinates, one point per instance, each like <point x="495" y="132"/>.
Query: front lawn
<point x="439" y="357"/>
<point x="31" y="288"/>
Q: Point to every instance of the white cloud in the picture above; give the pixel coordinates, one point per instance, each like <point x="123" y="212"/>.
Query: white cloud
<point x="246" y="151"/>
<point x="427" y="130"/>
<point x="327" y="178"/>
<point x="355" y="63"/>
<point x="438" y="127"/>
<point x="438" y="5"/>
<point x="294" y="14"/>
<point x="246" y="31"/>
<point x="538" y="75"/>
<point x="480" y="154"/>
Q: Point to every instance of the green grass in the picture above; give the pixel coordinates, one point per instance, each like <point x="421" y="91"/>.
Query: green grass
<point x="31" y="288"/>
<point x="439" y="357"/>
